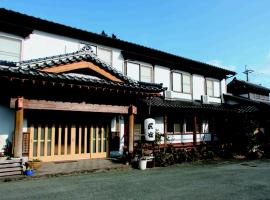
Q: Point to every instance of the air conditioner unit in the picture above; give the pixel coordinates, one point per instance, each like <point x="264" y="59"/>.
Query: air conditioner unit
<point x="168" y="94"/>
<point x="205" y="99"/>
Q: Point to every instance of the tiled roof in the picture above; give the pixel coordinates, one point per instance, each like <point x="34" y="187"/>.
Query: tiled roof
<point x="23" y="21"/>
<point x="239" y="86"/>
<point x="31" y="74"/>
<point x="159" y="102"/>
<point x="31" y="68"/>
<point x="245" y="105"/>
<point x="246" y="108"/>
<point x="85" y="54"/>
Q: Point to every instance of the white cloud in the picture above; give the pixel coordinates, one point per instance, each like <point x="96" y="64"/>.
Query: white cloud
<point x="220" y="64"/>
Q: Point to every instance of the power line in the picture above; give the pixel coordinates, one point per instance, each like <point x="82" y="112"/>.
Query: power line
<point x="247" y="72"/>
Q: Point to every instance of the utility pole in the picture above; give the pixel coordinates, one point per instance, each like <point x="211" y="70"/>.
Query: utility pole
<point x="247" y="71"/>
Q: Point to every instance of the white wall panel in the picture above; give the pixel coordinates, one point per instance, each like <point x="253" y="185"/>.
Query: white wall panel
<point x="162" y="75"/>
<point x="198" y="86"/>
<point x="41" y="44"/>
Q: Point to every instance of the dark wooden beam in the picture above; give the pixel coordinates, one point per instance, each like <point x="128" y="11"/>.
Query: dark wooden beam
<point x="68" y="106"/>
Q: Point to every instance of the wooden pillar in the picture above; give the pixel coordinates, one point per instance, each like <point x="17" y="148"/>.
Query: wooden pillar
<point x="131" y="132"/>
<point x="132" y="112"/>
<point x="18" y="133"/>
<point x="165" y="118"/>
<point x="195" y="130"/>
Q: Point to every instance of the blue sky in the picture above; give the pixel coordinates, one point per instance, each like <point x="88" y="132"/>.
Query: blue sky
<point x="228" y="33"/>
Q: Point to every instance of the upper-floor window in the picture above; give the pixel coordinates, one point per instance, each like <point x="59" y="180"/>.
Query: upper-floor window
<point x="181" y="82"/>
<point x="212" y="88"/>
<point x="10" y="49"/>
<point x="105" y="55"/>
<point x="259" y="97"/>
<point x="139" y="72"/>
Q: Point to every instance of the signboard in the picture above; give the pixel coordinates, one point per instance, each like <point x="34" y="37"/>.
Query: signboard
<point x="149" y="129"/>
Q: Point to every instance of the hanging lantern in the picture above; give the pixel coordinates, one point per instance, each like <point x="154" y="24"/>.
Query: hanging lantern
<point x="149" y="129"/>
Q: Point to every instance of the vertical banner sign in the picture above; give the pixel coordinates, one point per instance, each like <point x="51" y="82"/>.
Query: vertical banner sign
<point x="149" y="129"/>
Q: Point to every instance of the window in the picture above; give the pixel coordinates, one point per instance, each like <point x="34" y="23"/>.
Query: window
<point x="139" y="72"/>
<point x="177" y="82"/>
<point x="213" y="88"/>
<point x="146" y="73"/>
<point x="133" y="71"/>
<point x="137" y="132"/>
<point x="186" y="83"/>
<point x="205" y="126"/>
<point x="189" y="122"/>
<point x="105" y="55"/>
<point x="10" y="49"/>
<point x="181" y="82"/>
<point x="175" y="127"/>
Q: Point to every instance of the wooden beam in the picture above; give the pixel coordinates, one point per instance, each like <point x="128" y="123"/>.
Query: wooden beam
<point x="67" y="106"/>
<point x="81" y="65"/>
<point x="18" y="133"/>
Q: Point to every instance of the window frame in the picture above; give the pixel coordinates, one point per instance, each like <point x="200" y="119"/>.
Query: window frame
<point x="182" y="74"/>
<point x="213" y="86"/>
<point x="10" y="37"/>
<point x="140" y="66"/>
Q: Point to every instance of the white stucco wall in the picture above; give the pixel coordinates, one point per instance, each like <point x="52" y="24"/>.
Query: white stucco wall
<point x="162" y="75"/>
<point x="7" y="117"/>
<point x="184" y="138"/>
<point x="40" y="44"/>
<point x="214" y="99"/>
<point x="223" y="86"/>
<point x="203" y="137"/>
<point x="121" y="135"/>
<point x="118" y="60"/>
<point x="183" y="96"/>
<point x="198" y="86"/>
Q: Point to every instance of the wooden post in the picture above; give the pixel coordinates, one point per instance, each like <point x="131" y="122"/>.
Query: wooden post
<point x="53" y="140"/>
<point x="165" y="118"/>
<point x="31" y="131"/>
<point x="18" y="133"/>
<point x="131" y="133"/>
<point x="195" y="130"/>
<point x="73" y="139"/>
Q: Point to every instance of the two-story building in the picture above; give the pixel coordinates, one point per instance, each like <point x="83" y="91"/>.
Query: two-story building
<point x="51" y="73"/>
<point x="251" y="101"/>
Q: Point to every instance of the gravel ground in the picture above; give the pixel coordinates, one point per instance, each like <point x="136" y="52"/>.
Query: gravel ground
<point x="214" y="180"/>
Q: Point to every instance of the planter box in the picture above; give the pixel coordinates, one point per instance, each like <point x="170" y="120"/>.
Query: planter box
<point x="33" y="165"/>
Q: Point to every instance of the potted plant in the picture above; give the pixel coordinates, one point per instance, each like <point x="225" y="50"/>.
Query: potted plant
<point x="29" y="171"/>
<point x="143" y="163"/>
<point x="142" y="157"/>
<point x="34" y="164"/>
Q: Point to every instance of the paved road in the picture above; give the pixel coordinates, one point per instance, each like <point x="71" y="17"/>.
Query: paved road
<point x="223" y="180"/>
